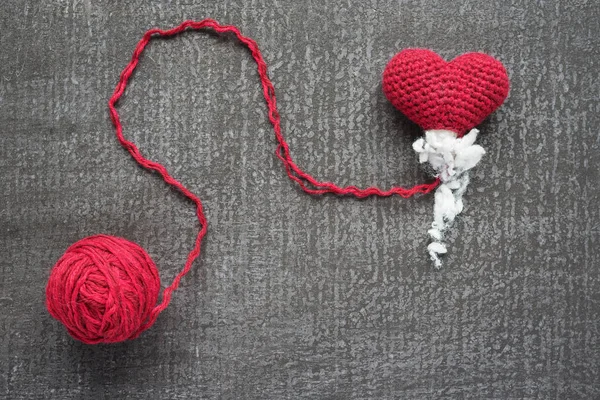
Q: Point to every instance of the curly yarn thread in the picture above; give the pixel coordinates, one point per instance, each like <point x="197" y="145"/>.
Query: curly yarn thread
<point x="104" y="289"/>
<point x="451" y="158"/>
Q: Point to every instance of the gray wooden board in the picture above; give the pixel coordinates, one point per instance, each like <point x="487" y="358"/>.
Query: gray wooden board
<point x="297" y="296"/>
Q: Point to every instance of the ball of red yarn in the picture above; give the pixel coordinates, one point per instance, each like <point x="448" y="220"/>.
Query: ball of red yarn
<point x="103" y="289"/>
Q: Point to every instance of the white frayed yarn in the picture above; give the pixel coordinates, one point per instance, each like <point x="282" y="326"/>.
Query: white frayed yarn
<point x="451" y="158"/>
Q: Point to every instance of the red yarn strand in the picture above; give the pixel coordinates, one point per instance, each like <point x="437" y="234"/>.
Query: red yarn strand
<point x="308" y="183"/>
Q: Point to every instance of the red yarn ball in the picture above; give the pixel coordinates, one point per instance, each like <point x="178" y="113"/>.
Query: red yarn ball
<point x="103" y="289"/>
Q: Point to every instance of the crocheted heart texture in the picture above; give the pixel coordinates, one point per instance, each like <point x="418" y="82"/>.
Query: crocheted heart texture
<point x="456" y="95"/>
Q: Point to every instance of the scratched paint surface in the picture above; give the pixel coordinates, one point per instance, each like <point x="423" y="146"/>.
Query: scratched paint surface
<point x="296" y="296"/>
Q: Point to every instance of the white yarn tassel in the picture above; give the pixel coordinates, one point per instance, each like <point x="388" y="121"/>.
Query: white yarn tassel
<point x="451" y="158"/>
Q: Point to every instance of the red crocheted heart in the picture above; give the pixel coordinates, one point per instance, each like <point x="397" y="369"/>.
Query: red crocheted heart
<point x="436" y="94"/>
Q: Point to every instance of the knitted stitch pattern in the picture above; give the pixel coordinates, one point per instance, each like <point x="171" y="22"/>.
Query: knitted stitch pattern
<point x="456" y="95"/>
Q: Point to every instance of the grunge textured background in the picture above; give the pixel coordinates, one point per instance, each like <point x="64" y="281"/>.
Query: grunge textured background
<point x="297" y="296"/>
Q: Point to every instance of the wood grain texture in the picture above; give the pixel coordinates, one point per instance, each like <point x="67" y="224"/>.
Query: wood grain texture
<point x="297" y="296"/>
